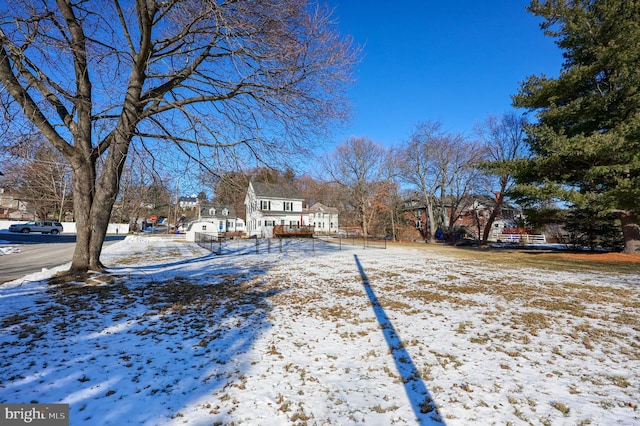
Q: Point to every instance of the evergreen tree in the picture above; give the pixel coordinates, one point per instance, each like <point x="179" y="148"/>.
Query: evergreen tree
<point x="586" y="141"/>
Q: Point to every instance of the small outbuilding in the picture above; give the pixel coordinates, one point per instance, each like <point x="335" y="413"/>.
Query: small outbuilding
<point x="216" y="220"/>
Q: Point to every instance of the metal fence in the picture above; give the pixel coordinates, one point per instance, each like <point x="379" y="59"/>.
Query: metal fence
<point x="224" y="246"/>
<point x="379" y="243"/>
<point x="208" y="241"/>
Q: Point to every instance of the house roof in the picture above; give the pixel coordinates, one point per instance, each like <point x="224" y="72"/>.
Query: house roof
<point x="319" y="207"/>
<point x="276" y="190"/>
<point x="205" y="211"/>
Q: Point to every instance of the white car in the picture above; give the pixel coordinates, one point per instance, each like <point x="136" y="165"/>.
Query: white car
<point x="46" y="227"/>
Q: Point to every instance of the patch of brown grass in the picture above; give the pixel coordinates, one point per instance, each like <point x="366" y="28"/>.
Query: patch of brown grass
<point x="395" y="305"/>
<point x="556" y="304"/>
<point x="463" y="288"/>
<point x="602" y="257"/>
<point x="531" y="321"/>
<point x="426" y="296"/>
<point x="543" y="259"/>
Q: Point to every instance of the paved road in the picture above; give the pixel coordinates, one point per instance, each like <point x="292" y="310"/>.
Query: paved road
<point x="32" y="258"/>
<point x="38" y="254"/>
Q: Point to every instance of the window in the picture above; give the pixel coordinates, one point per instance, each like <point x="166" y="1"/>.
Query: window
<point x="212" y="212"/>
<point x="265" y="205"/>
<point x="225" y="212"/>
<point x="288" y="206"/>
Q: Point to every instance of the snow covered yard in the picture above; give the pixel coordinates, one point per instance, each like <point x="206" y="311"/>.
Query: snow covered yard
<point x="402" y="336"/>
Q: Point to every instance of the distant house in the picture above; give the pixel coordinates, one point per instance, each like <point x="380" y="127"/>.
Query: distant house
<point x="216" y="220"/>
<point x="13" y="207"/>
<point x="471" y="217"/>
<point x="188" y="203"/>
<point x="323" y="219"/>
<point x="476" y="215"/>
<point x="268" y="205"/>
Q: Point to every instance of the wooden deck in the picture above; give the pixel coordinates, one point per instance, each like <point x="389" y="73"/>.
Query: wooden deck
<point x="283" y="231"/>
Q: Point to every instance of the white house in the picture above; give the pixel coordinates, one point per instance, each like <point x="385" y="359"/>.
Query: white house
<point x="273" y="204"/>
<point x="215" y="220"/>
<point x="188" y="203"/>
<point x="323" y="219"/>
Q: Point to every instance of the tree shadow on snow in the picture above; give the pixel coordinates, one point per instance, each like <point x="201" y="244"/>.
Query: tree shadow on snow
<point x="421" y="401"/>
<point x="138" y="350"/>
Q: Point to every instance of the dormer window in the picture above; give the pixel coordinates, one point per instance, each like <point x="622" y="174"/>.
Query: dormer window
<point x="225" y="212"/>
<point x="212" y="212"/>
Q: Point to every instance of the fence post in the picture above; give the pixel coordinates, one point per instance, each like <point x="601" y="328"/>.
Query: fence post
<point x="280" y="245"/>
<point x="256" y="245"/>
<point x="269" y="245"/>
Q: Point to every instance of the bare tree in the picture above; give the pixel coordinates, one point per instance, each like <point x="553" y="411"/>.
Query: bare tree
<point x="133" y="185"/>
<point x="231" y="188"/>
<point x="503" y="143"/>
<point x="230" y="81"/>
<point x="316" y="190"/>
<point x="454" y="165"/>
<point x="440" y="166"/>
<point x="417" y="167"/>
<point x="42" y="178"/>
<point x="384" y="219"/>
<point x="361" y="167"/>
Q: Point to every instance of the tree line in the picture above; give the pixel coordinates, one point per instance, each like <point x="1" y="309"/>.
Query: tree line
<point x="448" y="174"/>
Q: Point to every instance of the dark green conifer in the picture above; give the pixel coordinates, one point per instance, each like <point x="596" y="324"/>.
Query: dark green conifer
<point x="586" y="140"/>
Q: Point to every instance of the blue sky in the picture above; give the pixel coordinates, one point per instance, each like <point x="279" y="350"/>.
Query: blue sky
<point x="455" y="62"/>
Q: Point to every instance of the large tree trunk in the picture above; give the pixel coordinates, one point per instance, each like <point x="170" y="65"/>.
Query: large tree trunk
<point x="106" y="193"/>
<point x="365" y="224"/>
<point x="630" y="232"/>
<point x="492" y="218"/>
<point x="83" y="178"/>
<point x="94" y="198"/>
<point x="432" y="223"/>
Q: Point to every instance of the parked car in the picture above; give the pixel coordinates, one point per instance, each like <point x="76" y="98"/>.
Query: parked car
<point x="46" y="227"/>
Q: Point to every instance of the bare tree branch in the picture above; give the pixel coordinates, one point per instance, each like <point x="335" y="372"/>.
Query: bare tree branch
<point x="226" y="81"/>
